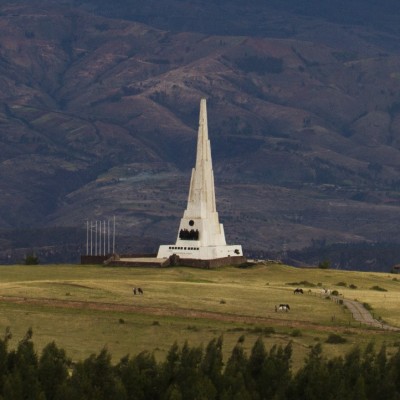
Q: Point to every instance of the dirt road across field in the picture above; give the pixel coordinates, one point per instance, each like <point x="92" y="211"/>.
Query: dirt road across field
<point x="362" y="315"/>
<point x="359" y="314"/>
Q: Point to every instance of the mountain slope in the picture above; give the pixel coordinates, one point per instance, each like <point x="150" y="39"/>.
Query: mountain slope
<point x="98" y="117"/>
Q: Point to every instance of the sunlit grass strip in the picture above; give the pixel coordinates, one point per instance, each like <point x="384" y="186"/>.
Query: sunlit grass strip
<point x="182" y="292"/>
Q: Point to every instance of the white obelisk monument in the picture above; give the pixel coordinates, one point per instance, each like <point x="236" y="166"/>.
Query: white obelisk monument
<point x="200" y="235"/>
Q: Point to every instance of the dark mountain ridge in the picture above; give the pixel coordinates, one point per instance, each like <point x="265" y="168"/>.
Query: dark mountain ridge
<point x="99" y="109"/>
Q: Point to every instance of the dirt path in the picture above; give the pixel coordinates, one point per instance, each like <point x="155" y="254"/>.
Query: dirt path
<point x="361" y="314"/>
<point x="177" y="312"/>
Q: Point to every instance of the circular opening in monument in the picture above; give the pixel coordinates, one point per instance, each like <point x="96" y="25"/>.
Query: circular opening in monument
<point x="191" y="222"/>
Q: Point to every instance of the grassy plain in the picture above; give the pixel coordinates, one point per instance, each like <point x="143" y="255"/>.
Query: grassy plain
<point x="84" y="308"/>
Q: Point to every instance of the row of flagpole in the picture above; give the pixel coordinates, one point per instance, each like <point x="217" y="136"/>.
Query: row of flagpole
<point x="100" y="237"/>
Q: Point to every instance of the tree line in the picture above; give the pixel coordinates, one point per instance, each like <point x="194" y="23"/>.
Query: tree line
<point x="195" y="372"/>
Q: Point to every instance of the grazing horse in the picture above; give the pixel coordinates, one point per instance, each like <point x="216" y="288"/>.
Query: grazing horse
<point x="282" y="307"/>
<point x="298" y="291"/>
<point x="137" y="290"/>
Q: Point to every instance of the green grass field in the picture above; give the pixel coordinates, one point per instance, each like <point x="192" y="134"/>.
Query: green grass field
<point x="84" y="308"/>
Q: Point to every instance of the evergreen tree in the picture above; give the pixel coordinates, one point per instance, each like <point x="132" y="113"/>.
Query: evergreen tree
<point x="170" y="368"/>
<point x="391" y="375"/>
<point x="140" y="377"/>
<point x="173" y="393"/>
<point x="3" y="362"/>
<point x="193" y="374"/>
<point x="183" y="375"/>
<point x="311" y="381"/>
<point x="353" y="372"/>
<point x="358" y="391"/>
<point x="257" y="358"/>
<point x="23" y="371"/>
<point x="275" y="375"/>
<point x="194" y="385"/>
<point x="236" y="376"/>
<point x="371" y="371"/>
<point x="337" y="386"/>
<point x="95" y="379"/>
<point x="212" y="363"/>
<point x="384" y="387"/>
<point x="53" y="370"/>
<point x="12" y="389"/>
<point x="256" y="367"/>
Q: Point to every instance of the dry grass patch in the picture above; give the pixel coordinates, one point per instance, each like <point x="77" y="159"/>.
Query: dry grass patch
<point x="189" y="306"/>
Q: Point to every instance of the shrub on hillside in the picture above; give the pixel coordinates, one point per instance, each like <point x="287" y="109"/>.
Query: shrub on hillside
<point x="301" y="283"/>
<point x="31" y="260"/>
<point x="246" y="265"/>
<point x="353" y="286"/>
<point x="367" y="306"/>
<point x="326" y="264"/>
<point x="192" y="328"/>
<point x="378" y="288"/>
<point x="266" y="331"/>
<point x="334" y="338"/>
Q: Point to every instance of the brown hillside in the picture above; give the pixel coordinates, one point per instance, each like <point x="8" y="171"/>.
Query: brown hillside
<point x="98" y="117"/>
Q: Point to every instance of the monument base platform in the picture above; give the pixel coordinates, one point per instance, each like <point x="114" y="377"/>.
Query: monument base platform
<point x="138" y="262"/>
<point x="193" y="251"/>
<point x="175" y="261"/>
